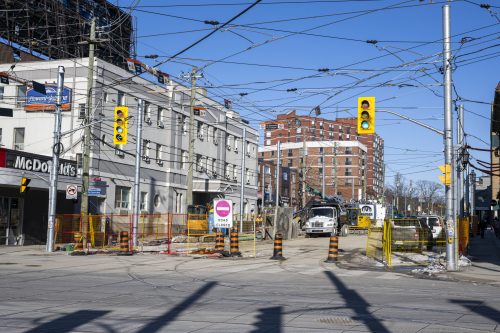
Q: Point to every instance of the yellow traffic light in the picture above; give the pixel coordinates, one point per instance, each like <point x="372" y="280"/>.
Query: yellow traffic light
<point x="446" y="177"/>
<point x="120" y="125"/>
<point x="24" y="185"/>
<point x="366" y="115"/>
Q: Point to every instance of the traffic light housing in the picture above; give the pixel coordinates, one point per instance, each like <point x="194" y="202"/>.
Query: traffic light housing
<point x="120" y="125"/>
<point x="446" y="177"/>
<point x="24" y="185"/>
<point x="366" y="115"/>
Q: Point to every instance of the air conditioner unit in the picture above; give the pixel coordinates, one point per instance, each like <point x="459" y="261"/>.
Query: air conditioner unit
<point x="146" y="159"/>
<point x="235" y="178"/>
<point x="214" y="174"/>
<point x="161" y="124"/>
<point x="201" y="169"/>
<point x="248" y="182"/>
<point x="228" y="177"/>
<point x="119" y="152"/>
<point x="159" y="162"/>
<point x="148" y="121"/>
<point x="248" y="154"/>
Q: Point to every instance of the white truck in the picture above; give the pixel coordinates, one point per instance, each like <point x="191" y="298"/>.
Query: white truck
<point x="322" y="220"/>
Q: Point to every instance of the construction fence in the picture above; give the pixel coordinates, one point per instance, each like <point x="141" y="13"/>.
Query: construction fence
<point x="169" y="233"/>
<point x="404" y="242"/>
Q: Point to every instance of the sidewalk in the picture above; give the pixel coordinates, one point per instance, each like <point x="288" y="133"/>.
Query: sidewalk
<point x="485" y="256"/>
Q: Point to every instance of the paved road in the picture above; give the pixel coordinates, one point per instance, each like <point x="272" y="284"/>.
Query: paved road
<point x="157" y="293"/>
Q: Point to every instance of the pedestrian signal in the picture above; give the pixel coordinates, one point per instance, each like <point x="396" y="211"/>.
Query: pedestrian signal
<point x="120" y="125"/>
<point x="446" y="177"/>
<point x="366" y="115"/>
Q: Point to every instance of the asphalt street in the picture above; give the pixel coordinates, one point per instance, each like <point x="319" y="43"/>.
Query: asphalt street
<point x="159" y="293"/>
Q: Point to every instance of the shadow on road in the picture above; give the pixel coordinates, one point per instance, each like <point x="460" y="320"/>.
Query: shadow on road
<point x="269" y="320"/>
<point x="353" y="300"/>
<point x="68" y="322"/>
<point x="479" y="308"/>
<point x="162" y="321"/>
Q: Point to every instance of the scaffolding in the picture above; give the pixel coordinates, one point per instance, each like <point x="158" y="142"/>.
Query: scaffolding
<point x="59" y="29"/>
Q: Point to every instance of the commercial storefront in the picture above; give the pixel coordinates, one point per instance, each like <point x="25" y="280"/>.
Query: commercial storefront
<point x="23" y="216"/>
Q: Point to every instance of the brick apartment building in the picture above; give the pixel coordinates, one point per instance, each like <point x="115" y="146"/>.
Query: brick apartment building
<point x="354" y="163"/>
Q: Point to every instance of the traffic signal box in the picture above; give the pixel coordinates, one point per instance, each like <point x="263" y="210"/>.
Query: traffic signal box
<point x="120" y="125"/>
<point x="24" y="185"/>
<point x="446" y="177"/>
<point x="366" y="115"/>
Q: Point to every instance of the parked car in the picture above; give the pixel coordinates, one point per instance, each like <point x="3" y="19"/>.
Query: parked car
<point x="435" y="223"/>
<point x="411" y="234"/>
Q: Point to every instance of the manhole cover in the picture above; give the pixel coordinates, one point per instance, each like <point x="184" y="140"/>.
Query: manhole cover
<point x="337" y="321"/>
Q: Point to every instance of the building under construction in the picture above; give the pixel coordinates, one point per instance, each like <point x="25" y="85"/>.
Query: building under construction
<point x="58" y="29"/>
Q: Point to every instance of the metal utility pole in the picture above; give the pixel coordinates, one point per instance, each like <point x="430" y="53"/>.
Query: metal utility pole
<point x="84" y="207"/>
<point x="460" y="175"/>
<point x="473" y="192"/>
<point x="466" y="196"/>
<point x="263" y="183"/>
<point x="191" y="138"/>
<point x="335" y="167"/>
<point x="304" y="154"/>
<point x="278" y="163"/>
<point x="56" y="150"/>
<point x="323" y="176"/>
<point x="137" y="178"/>
<point x="242" y="187"/>
<point x="451" y="226"/>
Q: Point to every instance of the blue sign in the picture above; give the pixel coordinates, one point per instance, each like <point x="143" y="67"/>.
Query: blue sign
<point x="94" y="191"/>
<point x="36" y="101"/>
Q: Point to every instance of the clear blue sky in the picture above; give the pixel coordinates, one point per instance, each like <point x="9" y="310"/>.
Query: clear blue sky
<point x="267" y="56"/>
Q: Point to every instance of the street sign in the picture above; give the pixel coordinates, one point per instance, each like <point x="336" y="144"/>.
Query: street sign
<point x="223" y="213"/>
<point x="71" y="192"/>
<point x="94" y="191"/>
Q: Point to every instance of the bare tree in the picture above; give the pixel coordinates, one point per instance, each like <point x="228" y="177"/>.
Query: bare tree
<point x="429" y="192"/>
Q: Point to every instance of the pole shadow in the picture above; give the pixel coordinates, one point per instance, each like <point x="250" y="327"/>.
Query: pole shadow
<point x="68" y="322"/>
<point x="162" y="321"/>
<point x="353" y="300"/>
<point x="269" y="320"/>
<point x="479" y="308"/>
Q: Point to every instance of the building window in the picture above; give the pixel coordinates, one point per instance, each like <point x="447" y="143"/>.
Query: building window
<point x="348" y="151"/>
<point x="268" y="142"/>
<point x="159" y="117"/>
<point x="158" y="153"/>
<point x="348" y="161"/>
<point x="1" y="92"/>
<point x="348" y="182"/>
<point x="122" y="197"/>
<point x="120" y="99"/>
<point x="290" y="152"/>
<point x="178" y="202"/>
<point x="147" y="113"/>
<point x="184" y="125"/>
<point x="185" y="159"/>
<point x="290" y="163"/>
<point x="348" y="172"/>
<point x="268" y="134"/>
<point x="272" y="153"/>
<point x="320" y="171"/>
<point x="18" y="138"/>
<point x="0" y="137"/>
<point x="210" y="133"/>
<point x="21" y="96"/>
<point x="320" y="160"/>
<point x="216" y="133"/>
<point x="144" y="201"/>
<point x="145" y="148"/>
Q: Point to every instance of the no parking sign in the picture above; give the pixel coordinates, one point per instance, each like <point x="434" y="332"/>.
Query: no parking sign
<point x="223" y="213"/>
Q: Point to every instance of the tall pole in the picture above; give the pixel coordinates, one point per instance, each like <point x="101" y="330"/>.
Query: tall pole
<point x="335" y="167"/>
<point x="473" y="191"/>
<point x="278" y="163"/>
<point x="242" y="187"/>
<point x="323" y="176"/>
<point x="84" y="207"/>
<point x="189" y="191"/>
<point x="460" y="175"/>
<point x="466" y="196"/>
<point x="137" y="178"/>
<point x="451" y="227"/>
<point x="263" y="183"/>
<point x="304" y="154"/>
<point x="56" y="150"/>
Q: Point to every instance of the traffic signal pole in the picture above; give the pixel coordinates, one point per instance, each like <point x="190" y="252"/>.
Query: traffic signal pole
<point x="137" y="178"/>
<point x="54" y="172"/>
<point x="451" y="227"/>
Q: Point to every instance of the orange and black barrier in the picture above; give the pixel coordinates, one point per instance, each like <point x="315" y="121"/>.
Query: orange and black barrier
<point x="333" y="250"/>
<point x="219" y="242"/>
<point x="234" y="242"/>
<point x="124" y="244"/>
<point x="78" y="240"/>
<point x="278" y="247"/>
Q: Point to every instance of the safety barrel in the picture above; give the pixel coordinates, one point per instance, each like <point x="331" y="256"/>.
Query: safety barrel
<point x="124" y="244"/>
<point x="278" y="247"/>
<point x="234" y="243"/>
<point x="333" y="249"/>
<point x="219" y="242"/>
